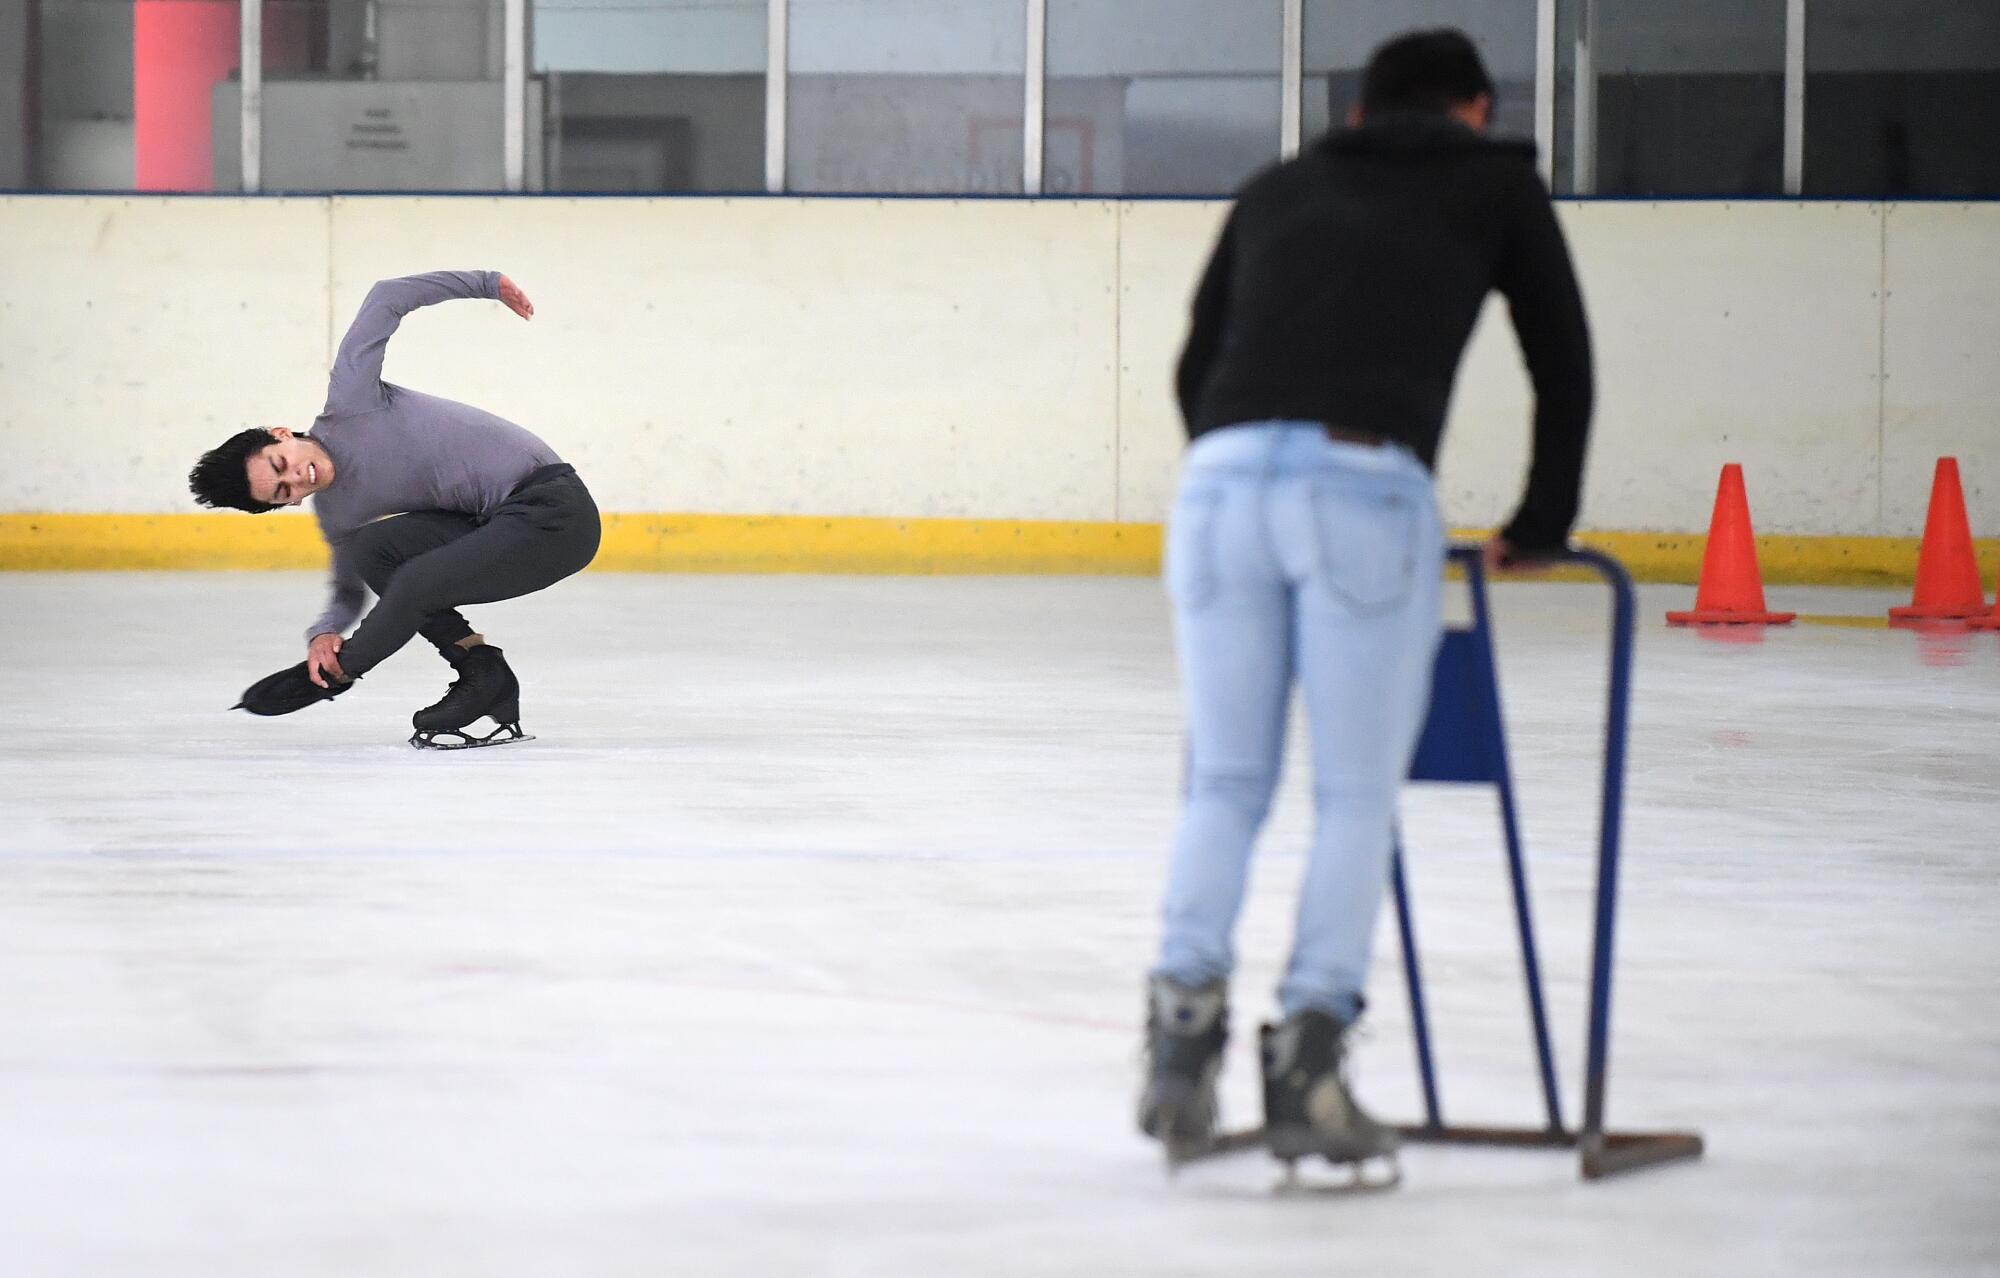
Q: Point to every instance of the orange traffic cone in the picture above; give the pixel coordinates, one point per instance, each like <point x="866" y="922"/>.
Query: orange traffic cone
<point x="1948" y="585"/>
<point x="1731" y="590"/>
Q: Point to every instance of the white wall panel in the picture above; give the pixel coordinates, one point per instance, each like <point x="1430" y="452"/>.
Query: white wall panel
<point x="1732" y="332"/>
<point x="859" y="357"/>
<point x="994" y="359"/>
<point x="1484" y="460"/>
<point x="1942" y="326"/>
<point x="1163" y="246"/>
<point x="1722" y="333"/>
<point x="137" y="332"/>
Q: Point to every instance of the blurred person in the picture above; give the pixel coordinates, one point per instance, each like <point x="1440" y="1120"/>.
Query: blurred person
<point x="430" y="503"/>
<point x="1305" y="545"/>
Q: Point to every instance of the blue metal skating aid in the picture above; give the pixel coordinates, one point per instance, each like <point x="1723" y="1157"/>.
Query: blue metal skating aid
<point x="1464" y="742"/>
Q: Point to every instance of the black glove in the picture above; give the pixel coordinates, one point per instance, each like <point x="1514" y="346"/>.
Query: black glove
<point x="288" y="690"/>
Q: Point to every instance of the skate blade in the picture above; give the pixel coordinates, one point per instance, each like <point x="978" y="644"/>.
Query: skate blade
<point x="457" y="739"/>
<point x="1362" y="1179"/>
<point x="1375" y="1172"/>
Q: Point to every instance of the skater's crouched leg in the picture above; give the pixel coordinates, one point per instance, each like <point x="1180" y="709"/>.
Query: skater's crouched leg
<point x="381" y="550"/>
<point x="421" y="566"/>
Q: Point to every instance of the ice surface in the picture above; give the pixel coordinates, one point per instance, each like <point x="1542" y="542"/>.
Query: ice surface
<point x="807" y="940"/>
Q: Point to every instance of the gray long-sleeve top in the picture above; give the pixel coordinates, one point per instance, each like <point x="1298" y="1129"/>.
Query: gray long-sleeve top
<point x="397" y="450"/>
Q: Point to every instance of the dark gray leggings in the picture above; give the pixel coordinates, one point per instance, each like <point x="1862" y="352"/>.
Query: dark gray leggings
<point x="427" y="564"/>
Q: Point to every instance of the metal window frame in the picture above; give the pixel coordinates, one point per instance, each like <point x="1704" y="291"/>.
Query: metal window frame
<point x="1291" y="79"/>
<point x="514" y="95"/>
<point x="1546" y="55"/>
<point x="1583" y="87"/>
<point x="1795" y="96"/>
<point x="777" y="71"/>
<point x="1034" y="97"/>
<point x="250" y="102"/>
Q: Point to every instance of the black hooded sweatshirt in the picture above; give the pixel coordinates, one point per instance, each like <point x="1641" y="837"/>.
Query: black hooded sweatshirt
<point x="1347" y="282"/>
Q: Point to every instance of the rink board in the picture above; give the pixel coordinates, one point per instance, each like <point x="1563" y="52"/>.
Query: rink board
<point x="1006" y="362"/>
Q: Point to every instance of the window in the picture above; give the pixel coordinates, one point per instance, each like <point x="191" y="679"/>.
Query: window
<point x="905" y="96"/>
<point x="1142" y="97"/>
<point x="1341" y="34"/>
<point x="1902" y="99"/>
<point x="1688" y="98"/>
<point x="651" y="95"/>
<point x="1160" y="97"/>
<point x="373" y="95"/>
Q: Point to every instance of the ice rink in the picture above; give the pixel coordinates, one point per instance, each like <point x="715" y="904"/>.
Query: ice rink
<point x="807" y="940"/>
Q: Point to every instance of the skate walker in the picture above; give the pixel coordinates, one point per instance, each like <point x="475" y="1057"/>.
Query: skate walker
<point x="1464" y="742"/>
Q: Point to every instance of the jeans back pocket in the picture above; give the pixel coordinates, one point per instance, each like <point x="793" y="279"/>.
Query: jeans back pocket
<point x="1367" y="547"/>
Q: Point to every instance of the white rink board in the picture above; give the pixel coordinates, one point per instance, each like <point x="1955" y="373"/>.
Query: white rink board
<point x="136" y="332"/>
<point x="1163" y="245"/>
<point x="998" y="359"/>
<point x="752" y="356"/>
<point x="1943" y="388"/>
<point x="1734" y="332"/>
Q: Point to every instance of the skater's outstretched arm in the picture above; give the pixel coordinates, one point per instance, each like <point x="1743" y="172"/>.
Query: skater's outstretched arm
<point x="1539" y="283"/>
<point x="343" y="607"/>
<point x="355" y="384"/>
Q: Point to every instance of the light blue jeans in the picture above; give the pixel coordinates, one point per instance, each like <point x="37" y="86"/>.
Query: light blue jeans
<point x="1293" y="557"/>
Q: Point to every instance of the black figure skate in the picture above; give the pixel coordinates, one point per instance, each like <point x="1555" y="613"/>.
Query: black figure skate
<point x="289" y="690"/>
<point x="485" y="687"/>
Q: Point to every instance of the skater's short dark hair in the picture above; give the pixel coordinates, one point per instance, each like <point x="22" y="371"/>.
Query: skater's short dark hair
<point x="1431" y="70"/>
<point x="222" y="476"/>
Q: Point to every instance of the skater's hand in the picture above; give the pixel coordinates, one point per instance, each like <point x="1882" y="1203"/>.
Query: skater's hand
<point x="515" y="300"/>
<point x="320" y="656"/>
<point x="1502" y="558"/>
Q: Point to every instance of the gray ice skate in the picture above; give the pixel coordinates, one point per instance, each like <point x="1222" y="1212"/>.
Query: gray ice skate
<point x="1186" y="1029"/>
<point x="1309" y="1111"/>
